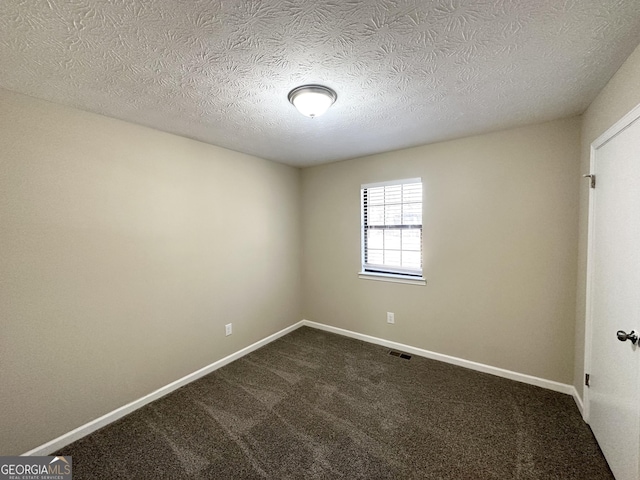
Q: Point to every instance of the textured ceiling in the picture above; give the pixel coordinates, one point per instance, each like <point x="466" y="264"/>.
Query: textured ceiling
<point x="406" y="72"/>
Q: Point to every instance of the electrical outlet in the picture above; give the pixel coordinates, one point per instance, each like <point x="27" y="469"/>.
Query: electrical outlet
<point x="391" y="317"/>
<point x="228" y="329"/>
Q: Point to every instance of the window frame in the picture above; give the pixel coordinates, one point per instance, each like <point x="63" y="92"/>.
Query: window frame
<point x="389" y="274"/>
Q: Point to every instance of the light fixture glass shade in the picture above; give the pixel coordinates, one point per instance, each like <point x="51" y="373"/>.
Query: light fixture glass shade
<point x="312" y="100"/>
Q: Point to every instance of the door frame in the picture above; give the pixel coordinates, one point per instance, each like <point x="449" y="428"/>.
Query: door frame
<point x="617" y="128"/>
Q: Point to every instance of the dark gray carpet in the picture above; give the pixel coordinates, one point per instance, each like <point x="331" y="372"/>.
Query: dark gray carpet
<point x="318" y="405"/>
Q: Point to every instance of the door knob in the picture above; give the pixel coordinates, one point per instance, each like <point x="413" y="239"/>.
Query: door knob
<point x="623" y="337"/>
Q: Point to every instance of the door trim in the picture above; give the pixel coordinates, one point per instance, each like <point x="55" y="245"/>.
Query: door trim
<point x="618" y="127"/>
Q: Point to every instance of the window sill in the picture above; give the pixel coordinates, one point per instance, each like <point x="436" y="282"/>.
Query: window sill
<point x="389" y="277"/>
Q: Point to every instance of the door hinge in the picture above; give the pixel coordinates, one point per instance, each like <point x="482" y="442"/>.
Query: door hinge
<point x="592" y="176"/>
<point x="586" y="379"/>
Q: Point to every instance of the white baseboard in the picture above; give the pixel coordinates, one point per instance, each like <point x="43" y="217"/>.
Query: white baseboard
<point x="578" y="400"/>
<point x="76" y="434"/>
<point x="480" y="367"/>
<point x="92" y="426"/>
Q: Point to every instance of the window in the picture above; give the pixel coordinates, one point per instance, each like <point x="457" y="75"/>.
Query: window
<point x="392" y="231"/>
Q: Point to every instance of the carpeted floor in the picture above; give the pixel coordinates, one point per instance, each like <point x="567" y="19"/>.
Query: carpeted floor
<point x="317" y="405"/>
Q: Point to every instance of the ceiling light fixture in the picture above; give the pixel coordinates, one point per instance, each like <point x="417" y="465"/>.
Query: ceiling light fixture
<point x="312" y="100"/>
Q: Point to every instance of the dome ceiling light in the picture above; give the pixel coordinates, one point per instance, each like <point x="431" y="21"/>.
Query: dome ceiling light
<point x="312" y="100"/>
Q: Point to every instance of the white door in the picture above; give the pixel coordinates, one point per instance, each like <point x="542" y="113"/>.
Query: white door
<point x="613" y="297"/>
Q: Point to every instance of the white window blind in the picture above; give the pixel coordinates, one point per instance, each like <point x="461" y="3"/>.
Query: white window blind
<point x="392" y="227"/>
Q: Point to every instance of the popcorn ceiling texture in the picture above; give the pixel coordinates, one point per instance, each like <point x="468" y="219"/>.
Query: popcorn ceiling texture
<point x="406" y="72"/>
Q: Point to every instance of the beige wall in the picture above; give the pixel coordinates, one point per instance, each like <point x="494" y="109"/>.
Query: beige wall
<point x="121" y="259"/>
<point x="620" y="96"/>
<point x="500" y="249"/>
<point x="124" y="251"/>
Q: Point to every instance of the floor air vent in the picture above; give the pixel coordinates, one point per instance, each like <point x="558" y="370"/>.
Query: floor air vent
<point x="406" y="356"/>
